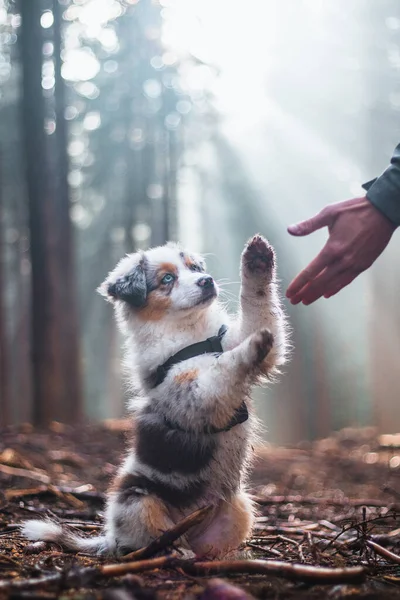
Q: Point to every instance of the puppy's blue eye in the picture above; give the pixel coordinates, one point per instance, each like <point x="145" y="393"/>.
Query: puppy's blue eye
<point x="168" y="278"/>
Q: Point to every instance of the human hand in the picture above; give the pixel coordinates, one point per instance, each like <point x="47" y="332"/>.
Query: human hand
<point x="358" y="234"/>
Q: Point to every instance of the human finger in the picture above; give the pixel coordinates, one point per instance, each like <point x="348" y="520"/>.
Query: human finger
<point x="309" y="273"/>
<point x="337" y="285"/>
<point x="324" y="282"/>
<point x="322" y="219"/>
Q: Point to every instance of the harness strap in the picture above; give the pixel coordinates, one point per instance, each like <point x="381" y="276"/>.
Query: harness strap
<point x="210" y="346"/>
<point x="240" y="415"/>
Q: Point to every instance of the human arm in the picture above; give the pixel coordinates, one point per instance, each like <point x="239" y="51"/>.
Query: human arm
<point x="384" y="191"/>
<point x="359" y="231"/>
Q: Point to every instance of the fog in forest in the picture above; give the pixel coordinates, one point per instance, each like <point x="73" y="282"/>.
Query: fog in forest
<point x="125" y="123"/>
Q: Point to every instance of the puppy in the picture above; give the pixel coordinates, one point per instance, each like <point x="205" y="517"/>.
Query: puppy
<point x="193" y="425"/>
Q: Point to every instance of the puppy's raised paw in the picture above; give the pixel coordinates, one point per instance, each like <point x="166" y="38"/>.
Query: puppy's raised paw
<point x="258" y="256"/>
<point x="261" y="344"/>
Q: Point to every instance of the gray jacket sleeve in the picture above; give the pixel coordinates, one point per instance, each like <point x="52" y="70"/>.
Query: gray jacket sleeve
<point x="384" y="191"/>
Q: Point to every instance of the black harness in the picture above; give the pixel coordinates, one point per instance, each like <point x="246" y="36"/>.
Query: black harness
<point x="211" y="345"/>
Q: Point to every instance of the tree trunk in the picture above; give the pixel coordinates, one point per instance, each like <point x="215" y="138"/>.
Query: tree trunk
<point x="46" y="316"/>
<point x="67" y="282"/>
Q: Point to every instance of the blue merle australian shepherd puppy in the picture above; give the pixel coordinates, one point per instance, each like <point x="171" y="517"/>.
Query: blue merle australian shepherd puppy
<point x="193" y="423"/>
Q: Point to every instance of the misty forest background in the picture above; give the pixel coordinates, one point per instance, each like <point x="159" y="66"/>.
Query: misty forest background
<point x="124" y="123"/>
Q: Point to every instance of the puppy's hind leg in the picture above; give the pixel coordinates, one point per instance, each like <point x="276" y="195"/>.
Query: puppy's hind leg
<point x="134" y="519"/>
<point x="259" y="298"/>
<point x="230" y="527"/>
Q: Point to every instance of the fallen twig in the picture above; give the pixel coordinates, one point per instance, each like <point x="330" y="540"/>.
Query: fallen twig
<point x="265" y="549"/>
<point x="267" y="500"/>
<point x="362" y="531"/>
<point x="391" y="556"/>
<point x="25" y="473"/>
<point x="170" y="536"/>
<point x="297" y="531"/>
<point x="293" y="572"/>
<point x="69" y="495"/>
<point x="83" y="526"/>
<point x="329" y="525"/>
<point x="67" y="457"/>
<point x="32" y="583"/>
<point x="286" y="540"/>
<point x="66" y="497"/>
<point x="385" y="538"/>
<point x="313" y="547"/>
<point x="115" y="570"/>
<point x="83" y="494"/>
<point x="281" y="539"/>
<point x="301" y="553"/>
<point x="79" y="577"/>
<point x="10" y="527"/>
<point x="12" y="458"/>
<point x="36" y="491"/>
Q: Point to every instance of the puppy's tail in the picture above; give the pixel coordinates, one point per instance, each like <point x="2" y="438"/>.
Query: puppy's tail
<point x="50" y="531"/>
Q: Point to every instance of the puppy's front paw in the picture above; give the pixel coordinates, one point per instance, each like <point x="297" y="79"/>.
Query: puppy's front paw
<point x="258" y="257"/>
<point x="260" y="345"/>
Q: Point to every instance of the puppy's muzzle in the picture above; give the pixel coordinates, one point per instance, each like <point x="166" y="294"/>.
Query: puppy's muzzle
<point x="206" y="283"/>
<point x="208" y="288"/>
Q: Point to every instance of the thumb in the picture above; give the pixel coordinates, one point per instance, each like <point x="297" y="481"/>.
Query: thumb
<point x="322" y="219"/>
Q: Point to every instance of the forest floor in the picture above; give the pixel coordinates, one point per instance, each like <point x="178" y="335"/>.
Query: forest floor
<point x="327" y="525"/>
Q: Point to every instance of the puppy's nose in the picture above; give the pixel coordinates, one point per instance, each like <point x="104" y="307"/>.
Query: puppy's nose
<point x="205" y="282"/>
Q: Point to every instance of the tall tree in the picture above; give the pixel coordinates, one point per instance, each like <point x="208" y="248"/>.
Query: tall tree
<point x="50" y="275"/>
<point x="65" y="244"/>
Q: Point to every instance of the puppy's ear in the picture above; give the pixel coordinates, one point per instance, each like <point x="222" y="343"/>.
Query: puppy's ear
<point x="131" y="288"/>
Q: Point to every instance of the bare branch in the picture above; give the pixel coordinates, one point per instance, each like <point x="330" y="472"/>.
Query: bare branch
<point x="139" y="566"/>
<point x="355" y="503"/>
<point x="390" y="556"/>
<point x="294" y="572"/>
<point x="170" y="536"/>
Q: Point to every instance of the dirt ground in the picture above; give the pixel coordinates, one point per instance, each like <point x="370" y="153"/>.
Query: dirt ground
<point x="330" y="504"/>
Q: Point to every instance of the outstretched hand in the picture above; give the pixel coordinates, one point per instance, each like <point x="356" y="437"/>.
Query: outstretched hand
<point x="358" y="234"/>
